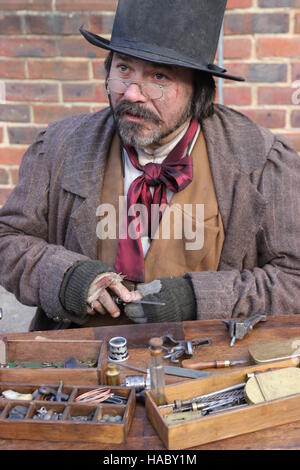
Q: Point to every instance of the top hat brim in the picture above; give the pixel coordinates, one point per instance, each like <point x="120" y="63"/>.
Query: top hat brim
<point x="154" y="56"/>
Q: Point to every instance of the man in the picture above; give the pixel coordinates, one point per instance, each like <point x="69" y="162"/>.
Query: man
<point x="162" y="147"/>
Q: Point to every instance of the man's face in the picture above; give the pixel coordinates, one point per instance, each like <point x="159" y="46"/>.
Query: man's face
<point x="142" y="121"/>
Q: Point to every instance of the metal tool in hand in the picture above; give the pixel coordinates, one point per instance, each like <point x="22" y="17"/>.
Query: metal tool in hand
<point x="178" y="348"/>
<point x="121" y="302"/>
<point x="238" y="328"/>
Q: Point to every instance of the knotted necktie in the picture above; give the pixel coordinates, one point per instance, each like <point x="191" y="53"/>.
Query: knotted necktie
<point x="175" y="173"/>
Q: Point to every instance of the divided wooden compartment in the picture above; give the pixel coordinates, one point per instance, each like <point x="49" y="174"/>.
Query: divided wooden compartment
<point x="211" y="428"/>
<point x="67" y="429"/>
<point x="54" y="351"/>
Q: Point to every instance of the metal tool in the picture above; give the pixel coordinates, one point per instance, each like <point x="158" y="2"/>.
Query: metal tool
<point x="171" y="370"/>
<point x="238" y="328"/>
<point x="121" y="303"/>
<point x="224" y="393"/>
<point x="178" y="348"/>
<point x="199" y="365"/>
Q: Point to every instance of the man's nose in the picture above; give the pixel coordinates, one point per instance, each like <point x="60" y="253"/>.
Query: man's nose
<point x="134" y="93"/>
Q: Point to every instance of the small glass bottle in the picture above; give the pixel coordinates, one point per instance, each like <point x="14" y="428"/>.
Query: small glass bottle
<point x="157" y="372"/>
<point x="112" y="374"/>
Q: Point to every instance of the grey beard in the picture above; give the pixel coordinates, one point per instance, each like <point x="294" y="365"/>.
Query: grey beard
<point x="130" y="131"/>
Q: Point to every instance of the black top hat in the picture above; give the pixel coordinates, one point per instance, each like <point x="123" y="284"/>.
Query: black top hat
<point x="172" y="32"/>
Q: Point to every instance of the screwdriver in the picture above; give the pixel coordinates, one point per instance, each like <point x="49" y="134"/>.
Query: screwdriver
<point x="198" y="365"/>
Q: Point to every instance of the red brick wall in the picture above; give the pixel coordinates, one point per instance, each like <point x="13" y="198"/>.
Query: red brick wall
<point x="48" y="71"/>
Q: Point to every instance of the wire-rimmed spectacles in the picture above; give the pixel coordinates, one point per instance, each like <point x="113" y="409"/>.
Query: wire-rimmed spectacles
<point x="152" y="91"/>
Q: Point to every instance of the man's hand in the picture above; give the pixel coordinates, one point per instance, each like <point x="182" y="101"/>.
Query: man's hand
<point x="100" y="300"/>
<point x="176" y="292"/>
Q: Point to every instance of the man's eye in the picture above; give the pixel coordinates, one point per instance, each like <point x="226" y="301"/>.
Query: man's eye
<point x="160" y="76"/>
<point x="122" y="68"/>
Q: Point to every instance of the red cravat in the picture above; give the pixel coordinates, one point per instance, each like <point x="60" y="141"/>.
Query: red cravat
<point x="175" y="173"/>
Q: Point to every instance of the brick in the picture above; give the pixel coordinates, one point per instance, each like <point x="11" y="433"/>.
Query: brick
<point x="24" y="47"/>
<point x="4" y="176"/>
<point x="79" y="47"/>
<point x="32" y="5"/>
<point x="14" y="113"/>
<point x="88" y="5"/>
<point x="10" y="68"/>
<point x="237" y="48"/>
<point x="231" y="4"/>
<point x="267" y="73"/>
<point x="44" y="114"/>
<point x="59" y="69"/>
<point x="246" y="23"/>
<point x="295" y="119"/>
<point x="10" y="24"/>
<point x="21" y="91"/>
<point x="237" y="95"/>
<point x="296" y="71"/>
<point x="83" y="92"/>
<point x="258" y="72"/>
<point x="14" y="173"/>
<point x="98" y="69"/>
<point x="101" y="24"/>
<point x="11" y="155"/>
<point x="97" y="108"/>
<point x="271" y="119"/>
<point x="22" y="135"/>
<point x="278" y="47"/>
<point x="54" y="24"/>
<point x="278" y="3"/>
<point x="275" y="95"/>
<point x="294" y="139"/>
<point x="4" y="193"/>
<point x="297" y="23"/>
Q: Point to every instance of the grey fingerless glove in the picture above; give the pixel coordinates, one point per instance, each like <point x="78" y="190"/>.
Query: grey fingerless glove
<point x="75" y="285"/>
<point x="176" y="292"/>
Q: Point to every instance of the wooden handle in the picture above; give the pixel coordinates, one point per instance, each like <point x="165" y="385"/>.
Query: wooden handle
<point x="199" y="365"/>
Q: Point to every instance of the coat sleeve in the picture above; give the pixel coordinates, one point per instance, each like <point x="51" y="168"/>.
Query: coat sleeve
<point x="30" y="267"/>
<point x="273" y="286"/>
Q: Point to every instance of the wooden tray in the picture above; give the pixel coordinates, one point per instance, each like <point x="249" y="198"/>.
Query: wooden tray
<point x="67" y="429"/>
<point x="54" y="350"/>
<point x="223" y="425"/>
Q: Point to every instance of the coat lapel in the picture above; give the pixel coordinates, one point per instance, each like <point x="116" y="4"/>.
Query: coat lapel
<point x="233" y="167"/>
<point x="83" y="172"/>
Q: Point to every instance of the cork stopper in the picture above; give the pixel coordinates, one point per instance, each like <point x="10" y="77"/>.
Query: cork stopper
<point x="155" y="346"/>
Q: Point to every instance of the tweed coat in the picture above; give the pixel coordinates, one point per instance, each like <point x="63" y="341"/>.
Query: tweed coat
<point x="49" y="220"/>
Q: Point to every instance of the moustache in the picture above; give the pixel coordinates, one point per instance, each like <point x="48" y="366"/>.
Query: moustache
<point x="135" y="109"/>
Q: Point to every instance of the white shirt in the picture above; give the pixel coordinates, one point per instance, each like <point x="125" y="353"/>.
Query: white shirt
<point x="159" y="155"/>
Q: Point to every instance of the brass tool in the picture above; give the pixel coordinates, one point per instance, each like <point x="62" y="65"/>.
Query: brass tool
<point x="199" y="365"/>
<point x="276" y="351"/>
<point x="267" y="386"/>
<point x="238" y="328"/>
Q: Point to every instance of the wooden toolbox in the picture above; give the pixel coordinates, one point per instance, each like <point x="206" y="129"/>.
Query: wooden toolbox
<point x="67" y="428"/>
<point x="222" y="425"/>
<point x="53" y="351"/>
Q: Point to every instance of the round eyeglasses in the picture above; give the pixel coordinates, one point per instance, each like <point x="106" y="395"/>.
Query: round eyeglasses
<point x="151" y="91"/>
